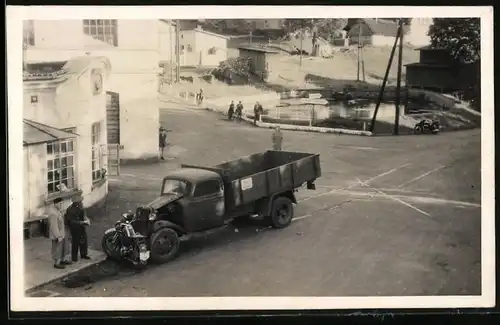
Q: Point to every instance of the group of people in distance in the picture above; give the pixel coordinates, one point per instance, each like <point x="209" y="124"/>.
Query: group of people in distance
<point x="237" y="112"/>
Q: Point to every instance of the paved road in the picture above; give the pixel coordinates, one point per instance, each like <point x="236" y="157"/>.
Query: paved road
<point x="390" y="216"/>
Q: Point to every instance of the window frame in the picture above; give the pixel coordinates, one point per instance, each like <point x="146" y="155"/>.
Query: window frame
<point x="104" y="30"/>
<point x="197" y="186"/>
<point x="55" y="166"/>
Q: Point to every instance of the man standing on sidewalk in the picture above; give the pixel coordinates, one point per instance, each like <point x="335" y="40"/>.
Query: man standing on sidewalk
<point x="60" y="243"/>
<point x="78" y="222"/>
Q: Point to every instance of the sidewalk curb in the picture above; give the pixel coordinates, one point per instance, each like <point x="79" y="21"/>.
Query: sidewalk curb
<point x="38" y="286"/>
<point x="289" y="127"/>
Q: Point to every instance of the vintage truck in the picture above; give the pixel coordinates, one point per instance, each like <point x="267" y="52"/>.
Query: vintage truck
<point x="196" y="199"/>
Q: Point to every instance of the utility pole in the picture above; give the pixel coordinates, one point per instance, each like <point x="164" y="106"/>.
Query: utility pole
<point x="382" y="88"/>
<point x="25" y="64"/>
<point x="359" y="47"/>
<point x="250" y="37"/>
<point x="171" y="52"/>
<point x="178" y="49"/>
<point x="301" y="42"/>
<point x="398" y="84"/>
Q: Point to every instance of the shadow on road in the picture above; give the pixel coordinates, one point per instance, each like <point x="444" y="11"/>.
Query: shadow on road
<point x="238" y="230"/>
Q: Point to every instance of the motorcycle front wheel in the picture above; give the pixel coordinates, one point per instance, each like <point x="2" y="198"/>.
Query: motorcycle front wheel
<point x="417" y="129"/>
<point x="110" y="246"/>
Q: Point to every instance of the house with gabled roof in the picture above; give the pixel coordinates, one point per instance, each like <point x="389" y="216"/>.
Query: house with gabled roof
<point x="200" y="47"/>
<point x="372" y="31"/>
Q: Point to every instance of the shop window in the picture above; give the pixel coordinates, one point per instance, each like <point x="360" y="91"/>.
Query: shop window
<point x="105" y="30"/>
<point x="60" y="165"/>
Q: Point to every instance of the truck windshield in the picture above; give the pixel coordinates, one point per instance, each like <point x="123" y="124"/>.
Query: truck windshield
<point x="174" y="186"/>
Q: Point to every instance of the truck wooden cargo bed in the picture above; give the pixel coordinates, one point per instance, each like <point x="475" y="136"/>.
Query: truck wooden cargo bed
<point x="264" y="174"/>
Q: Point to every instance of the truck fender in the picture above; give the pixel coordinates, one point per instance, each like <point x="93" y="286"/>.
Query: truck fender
<point x="164" y="224"/>
<point x="265" y="207"/>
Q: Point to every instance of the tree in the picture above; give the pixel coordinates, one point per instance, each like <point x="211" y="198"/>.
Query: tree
<point x="461" y="35"/>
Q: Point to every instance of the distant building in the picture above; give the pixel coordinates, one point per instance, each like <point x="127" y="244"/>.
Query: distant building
<point x="202" y="48"/>
<point x="261" y="60"/>
<point x="438" y="71"/>
<point x="65" y="134"/>
<point x="132" y="47"/>
<point x="321" y="48"/>
<point x="266" y="24"/>
<point x="372" y="31"/>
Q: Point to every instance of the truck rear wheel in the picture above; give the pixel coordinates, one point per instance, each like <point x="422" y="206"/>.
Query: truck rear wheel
<point x="281" y="212"/>
<point x="165" y="245"/>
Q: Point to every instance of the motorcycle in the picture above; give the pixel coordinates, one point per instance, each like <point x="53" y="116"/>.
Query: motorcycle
<point x="426" y="126"/>
<point x="125" y="242"/>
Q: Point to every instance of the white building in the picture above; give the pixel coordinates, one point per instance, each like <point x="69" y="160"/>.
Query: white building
<point x="65" y="133"/>
<point x="202" y="48"/>
<point x="133" y="48"/>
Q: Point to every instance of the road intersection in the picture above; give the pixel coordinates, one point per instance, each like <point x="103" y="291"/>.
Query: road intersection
<point x="390" y="216"/>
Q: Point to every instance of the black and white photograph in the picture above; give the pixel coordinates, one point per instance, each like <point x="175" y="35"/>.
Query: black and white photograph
<point x="340" y="157"/>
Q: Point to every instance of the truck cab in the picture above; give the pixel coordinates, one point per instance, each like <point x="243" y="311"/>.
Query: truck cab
<point x="199" y="198"/>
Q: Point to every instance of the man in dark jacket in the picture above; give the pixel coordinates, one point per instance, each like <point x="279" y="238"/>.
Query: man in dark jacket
<point x="230" y="111"/>
<point x="77" y="222"/>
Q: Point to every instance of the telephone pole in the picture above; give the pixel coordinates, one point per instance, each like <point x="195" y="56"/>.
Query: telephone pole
<point x="359" y="48"/>
<point x="25" y="64"/>
<point x="171" y="52"/>
<point x="178" y="49"/>
<point x="398" y="84"/>
<point x="384" y="82"/>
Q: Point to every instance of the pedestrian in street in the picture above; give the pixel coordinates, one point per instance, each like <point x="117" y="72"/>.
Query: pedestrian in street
<point x="239" y="111"/>
<point x="60" y="244"/>
<point x="162" y="141"/>
<point x="257" y="110"/>
<point x="230" y="111"/>
<point x="78" y="222"/>
<point x="199" y="97"/>
<point x="277" y="138"/>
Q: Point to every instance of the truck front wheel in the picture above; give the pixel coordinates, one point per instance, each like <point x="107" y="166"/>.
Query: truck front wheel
<point x="165" y="245"/>
<point x="281" y="212"/>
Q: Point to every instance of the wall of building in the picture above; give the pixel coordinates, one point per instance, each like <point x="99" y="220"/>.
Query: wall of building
<point x="435" y="78"/>
<point x="68" y="105"/>
<point x="435" y="57"/>
<point x="204" y="42"/>
<point x="258" y="60"/>
<point x="135" y="71"/>
<point x="189" y="55"/>
<point x="196" y="47"/>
